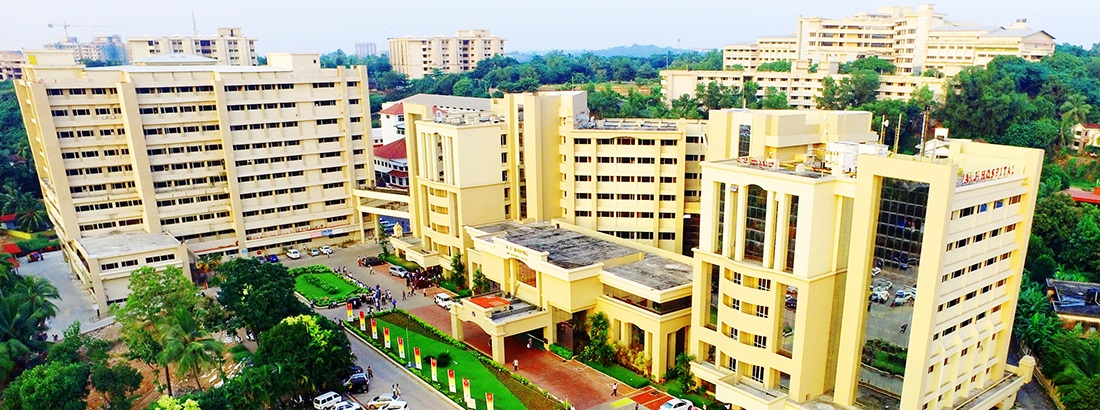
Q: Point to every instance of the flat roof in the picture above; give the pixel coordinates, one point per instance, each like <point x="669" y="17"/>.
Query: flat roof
<point x="471" y="103"/>
<point x="490" y="301"/>
<point x="126" y="243"/>
<point x="189" y="68"/>
<point x="568" y="249"/>
<point x="1080" y="195"/>
<point x="1071" y="297"/>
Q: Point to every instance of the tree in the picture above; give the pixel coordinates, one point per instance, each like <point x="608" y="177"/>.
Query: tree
<point x="872" y="63"/>
<point x="1033" y="134"/>
<point x="458" y="270"/>
<point x="392" y="80"/>
<point x="153" y="295"/>
<point x="1084" y="245"/>
<point x="481" y="283"/>
<point x="782" y="65"/>
<point x="463" y="87"/>
<point x="598" y="349"/>
<point x="25" y="305"/>
<point x="54" y="385"/>
<point x="774" y="100"/>
<point x="79" y="348"/>
<point x="1074" y="111"/>
<point x="860" y="87"/>
<point x="681" y="372"/>
<point x="188" y="345"/>
<point x="831" y="97"/>
<point x="259" y="295"/>
<point x="30" y="213"/>
<point x="170" y="403"/>
<point x="1055" y="220"/>
<point x="1082" y="396"/>
<point x="116" y="383"/>
<point x="209" y="262"/>
<point x="305" y="349"/>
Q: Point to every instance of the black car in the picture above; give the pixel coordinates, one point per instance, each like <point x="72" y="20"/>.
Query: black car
<point x="371" y="261"/>
<point x="355" y="302"/>
<point x="357" y="383"/>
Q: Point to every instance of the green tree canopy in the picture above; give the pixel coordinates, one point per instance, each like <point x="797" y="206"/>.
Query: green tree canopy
<point x="54" y="385"/>
<point x="259" y="295"/>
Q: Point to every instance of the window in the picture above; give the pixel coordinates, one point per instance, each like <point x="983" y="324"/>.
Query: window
<point x="757" y="373"/>
<point x="760" y="341"/>
<point x="761" y="311"/>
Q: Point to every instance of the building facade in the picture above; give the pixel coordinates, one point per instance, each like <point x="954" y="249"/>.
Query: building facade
<point x="914" y="39"/>
<point x="419" y="56"/>
<point x="104" y="48"/>
<point x="229" y="47"/>
<point x="800" y="85"/>
<point x="11" y="65"/>
<point x="226" y="159"/>
<point x="786" y="265"/>
<point x="366" y="49"/>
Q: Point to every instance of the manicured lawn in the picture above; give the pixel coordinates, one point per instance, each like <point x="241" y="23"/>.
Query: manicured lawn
<point x="316" y="294"/>
<point x="399" y="261"/>
<point x="620" y="373"/>
<point x="673" y="388"/>
<point x="463" y="362"/>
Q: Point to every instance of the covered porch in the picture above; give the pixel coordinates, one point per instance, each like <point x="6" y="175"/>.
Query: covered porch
<point x="499" y="318"/>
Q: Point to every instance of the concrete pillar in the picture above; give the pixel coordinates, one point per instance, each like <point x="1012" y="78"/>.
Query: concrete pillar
<point x="1026" y="370"/>
<point x="456" y="324"/>
<point x="769" y="231"/>
<point x="498" y="349"/>
<point x="550" y="334"/>
<point x="660" y="356"/>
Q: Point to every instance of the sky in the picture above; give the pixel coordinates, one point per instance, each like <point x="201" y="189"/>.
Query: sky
<point x="323" y="26"/>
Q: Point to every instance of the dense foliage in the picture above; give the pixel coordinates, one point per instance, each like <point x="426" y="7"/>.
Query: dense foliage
<point x="259" y="295"/>
<point x="26" y="302"/>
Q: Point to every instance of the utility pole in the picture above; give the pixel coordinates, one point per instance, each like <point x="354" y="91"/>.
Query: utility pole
<point x="923" y="132"/>
<point x="882" y="129"/>
<point x="194" y="25"/>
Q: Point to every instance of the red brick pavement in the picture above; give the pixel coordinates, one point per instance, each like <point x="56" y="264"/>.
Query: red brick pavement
<point x="581" y="385"/>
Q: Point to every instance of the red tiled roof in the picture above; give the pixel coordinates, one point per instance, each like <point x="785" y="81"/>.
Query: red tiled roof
<point x="396" y="109"/>
<point x="10" y="248"/>
<point x="1083" y="196"/>
<point x="489" y="301"/>
<point x="7" y="218"/>
<point x="393" y="150"/>
<point x="399" y="174"/>
<point x="1090" y="126"/>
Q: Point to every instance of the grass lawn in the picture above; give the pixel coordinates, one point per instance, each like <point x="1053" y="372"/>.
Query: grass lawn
<point x="397" y="260"/>
<point x="463" y="362"/>
<point x="620" y="373"/>
<point x="674" y="388"/>
<point x="318" y="295"/>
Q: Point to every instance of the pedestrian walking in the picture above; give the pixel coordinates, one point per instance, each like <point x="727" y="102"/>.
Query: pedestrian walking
<point x="398" y="389"/>
<point x="393" y="391"/>
<point x="614" y="389"/>
<point x="528" y="343"/>
<point x="402" y="295"/>
<point x="370" y="373"/>
<point x="903" y="327"/>
<point x="515" y="365"/>
<point x="394" y="304"/>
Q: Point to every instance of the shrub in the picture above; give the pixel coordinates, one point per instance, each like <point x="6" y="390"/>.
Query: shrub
<point x="443" y="360"/>
<point x="311" y="269"/>
<point x="561" y="351"/>
<point x="321" y="284"/>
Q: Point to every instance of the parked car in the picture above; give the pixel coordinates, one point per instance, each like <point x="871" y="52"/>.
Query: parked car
<point x="371" y="261"/>
<point x="904" y="296"/>
<point x="355" y="302"/>
<point x="881" y="296"/>
<point x="792" y="302"/>
<point x="347" y="405"/>
<point x="260" y="258"/>
<point x="326" y="250"/>
<point x="881" y="285"/>
<point x="397" y="405"/>
<point x="380" y="402"/>
<point x="357" y="383"/>
<point x="875" y="271"/>
<point x="443" y="300"/>
<point x="353" y="369"/>
<point x="398" y="271"/>
<point x="314" y="252"/>
<point x="677" y="404"/>
<point x="326" y="401"/>
<point x="273" y="258"/>
<point x="293" y="253"/>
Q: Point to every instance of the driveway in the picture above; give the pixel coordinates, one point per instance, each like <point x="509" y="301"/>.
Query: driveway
<point x="76" y="304"/>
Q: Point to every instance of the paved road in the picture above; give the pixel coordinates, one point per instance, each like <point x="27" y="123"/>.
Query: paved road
<point x="386" y="373"/>
<point x="75" y="304"/>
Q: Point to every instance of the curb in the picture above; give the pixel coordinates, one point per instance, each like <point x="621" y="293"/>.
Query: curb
<point x="390" y="359"/>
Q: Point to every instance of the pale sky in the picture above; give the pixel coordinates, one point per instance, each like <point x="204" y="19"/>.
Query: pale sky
<point x="325" y="25"/>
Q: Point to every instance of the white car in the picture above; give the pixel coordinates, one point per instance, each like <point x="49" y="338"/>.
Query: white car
<point x="380" y="402"/>
<point x="326" y="250"/>
<point x="677" y="404"/>
<point x="314" y="252"/>
<point x="398" y="405"/>
<point x="443" y="300"/>
<point x="293" y="253"/>
<point x="347" y="405"/>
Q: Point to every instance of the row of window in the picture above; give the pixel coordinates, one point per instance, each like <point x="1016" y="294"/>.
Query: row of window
<point x="110" y="224"/>
<point x="969" y="321"/>
<point x="108" y="205"/>
<point x="971" y="210"/>
<point x="273" y="228"/>
<point x="270" y="125"/>
<point x="625" y="160"/>
<point x="980" y="237"/>
<point x="641" y="235"/>
<point x="176" y="109"/>
<point x="91" y="132"/>
<point x="116" y="265"/>
<point x="188" y="165"/>
<point x="268" y="211"/>
<point x="622" y="141"/>
<point x="748" y="308"/>
<point x="98" y="170"/>
<point x="975" y="267"/>
<point x="749" y="281"/>
<point x="626" y="214"/>
<point x="264" y="177"/>
<point x="189" y="181"/>
<point x="81" y="91"/>
<point x="170" y="90"/>
<point x="95" y="153"/>
<point x="271" y="144"/>
<point x="272" y="160"/>
<point x="191" y="200"/>
<point x="193" y="218"/>
<point x="100" y="187"/>
<point x="953" y="302"/>
<point x="257" y="87"/>
<point x="183" y="148"/>
<point x="281" y="191"/>
<point x="79" y="112"/>
<point x="620" y="178"/>
<point x="178" y="129"/>
<point x="183" y="238"/>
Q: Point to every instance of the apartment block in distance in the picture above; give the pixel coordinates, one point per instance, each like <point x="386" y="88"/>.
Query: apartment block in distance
<point x="914" y="39"/>
<point x="228" y="47"/>
<point x="224" y="159"/>
<point x="419" y="56"/>
<point x="842" y="276"/>
<point x="106" y="48"/>
<point x="11" y="65"/>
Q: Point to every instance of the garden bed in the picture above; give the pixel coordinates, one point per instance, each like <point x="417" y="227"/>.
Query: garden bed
<point x="399" y="261"/>
<point x="315" y="290"/>
<point x="509" y="390"/>
<point x="621" y="374"/>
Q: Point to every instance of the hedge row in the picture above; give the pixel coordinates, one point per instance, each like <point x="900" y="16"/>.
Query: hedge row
<point x="321" y="284"/>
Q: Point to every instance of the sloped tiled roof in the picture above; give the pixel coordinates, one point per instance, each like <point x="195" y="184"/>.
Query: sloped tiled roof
<point x="393" y="150"/>
<point x="396" y="109"/>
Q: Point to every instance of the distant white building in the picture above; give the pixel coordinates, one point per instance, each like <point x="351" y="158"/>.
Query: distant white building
<point x="392" y="115"/>
<point x="391" y="165"/>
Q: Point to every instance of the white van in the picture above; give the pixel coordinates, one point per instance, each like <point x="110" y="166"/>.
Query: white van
<point x="326" y="401"/>
<point x="398" y="271"/>
<point x="443" y="300"/>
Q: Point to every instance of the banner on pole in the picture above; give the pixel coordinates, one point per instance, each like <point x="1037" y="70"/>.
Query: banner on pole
<point x="451" y="380"/>
<point x="401" y="347"/>
<point x="416" y="356"/>
<point x="373" y="329"/>
<point x="435" y="375"/>
<point x="386" y="334"/>
<point x="489" y="400"/>
<point x="351" y="315"/>
<point x="362" y="321"/>
<point x="466" y="388"/>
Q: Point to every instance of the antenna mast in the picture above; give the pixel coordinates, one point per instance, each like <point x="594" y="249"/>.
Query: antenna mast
<point x="194" y="25"/>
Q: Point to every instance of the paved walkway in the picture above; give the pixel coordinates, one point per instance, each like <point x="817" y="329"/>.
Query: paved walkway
<point x="76" y="304"/>
<point x="572" y="381"/>
<point x="646" y="398"/>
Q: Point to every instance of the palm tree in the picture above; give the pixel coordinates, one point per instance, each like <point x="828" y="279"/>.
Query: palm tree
<point x="188" y="345"/>
<point x="209" y="262"/>
<point x="30" y="213"/>
<point x="36" y="293"/>
<point x="1074" y="111"/>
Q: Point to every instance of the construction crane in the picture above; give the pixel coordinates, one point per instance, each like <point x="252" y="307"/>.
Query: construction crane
<point x="65" y="26"/>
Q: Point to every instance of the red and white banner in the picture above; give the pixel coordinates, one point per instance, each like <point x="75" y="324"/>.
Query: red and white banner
<point x="489" y="400"/>
<point x="362" y="321"/>
<point x="466" y="388"/>
<point x="435" y="375"/>
<point x="401" y="347"/>
<point x="451" y="380"/>
<point x="416" y="356"/>
<point x="373" y="329"/>
<point x="386" y="333"/>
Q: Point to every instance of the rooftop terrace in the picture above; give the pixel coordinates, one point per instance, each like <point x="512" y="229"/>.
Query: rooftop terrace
<point x="126" y="243"/>
<point x="1070" y="297"/>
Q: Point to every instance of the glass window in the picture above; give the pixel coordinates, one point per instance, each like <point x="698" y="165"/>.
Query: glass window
<point x="755" y="220"/>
